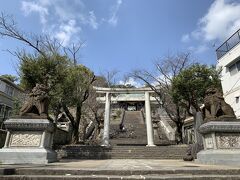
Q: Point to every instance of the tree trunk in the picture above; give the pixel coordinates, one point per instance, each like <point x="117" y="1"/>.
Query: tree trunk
<point x="75" y="135"/>
<point x="179" y="131"/>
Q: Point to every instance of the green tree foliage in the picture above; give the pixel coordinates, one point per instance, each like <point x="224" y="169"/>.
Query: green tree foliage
<point x="76" y="89"/>
<point x="68" y="84"/>
<point x="77" y="82"/>
<point x="189" y="86"/>
<point x="39" y="69"/>
<point x="16" y="106"/>
<point x="54" y="66"/>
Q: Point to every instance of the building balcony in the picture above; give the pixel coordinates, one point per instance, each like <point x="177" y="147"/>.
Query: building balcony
<point x="228" y="44"/>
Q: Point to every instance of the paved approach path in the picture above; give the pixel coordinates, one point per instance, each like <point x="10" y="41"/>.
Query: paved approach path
<point x="123" y="164"/>
<point x="135" y="164"/>
<point x="116" y="169"/>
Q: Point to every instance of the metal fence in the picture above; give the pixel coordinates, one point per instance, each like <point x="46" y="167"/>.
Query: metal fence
<point x="228" y="44"/>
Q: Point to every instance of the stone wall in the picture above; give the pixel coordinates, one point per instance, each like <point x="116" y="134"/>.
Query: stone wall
<point x="61" y="137"/>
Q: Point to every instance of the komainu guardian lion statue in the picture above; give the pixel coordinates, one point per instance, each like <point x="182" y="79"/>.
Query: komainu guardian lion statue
<point x="216" y="109"/>
<point x="37" y="103"/>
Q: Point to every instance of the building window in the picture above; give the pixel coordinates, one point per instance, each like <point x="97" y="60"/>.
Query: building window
<point x="1" y="110"/>
<point x="9" y="90"/>
<point x="234" y="68"/>
<point x="237" y="99"/>
<point x="238" y="65"/>
<point x="8" y="113"/>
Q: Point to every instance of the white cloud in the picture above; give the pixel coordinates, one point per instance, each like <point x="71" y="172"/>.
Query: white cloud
<point x="62" y="13"/>
<point x="220" y="22"/>
<point x="63" y="19"/>
<point x="198" y="49"/>
<point x="46" y="2"/>
<point x="201" y="48"/>
<point x="93" y="20"/>
<point x="113" y="20"/>
<point x="185" y="38"/>
<point x="132" y="82"/>
<point x="57" y="20"/>
<point x="29" y="7"/>
<point x="197" y="34"/>
<point x="66" y="31"/>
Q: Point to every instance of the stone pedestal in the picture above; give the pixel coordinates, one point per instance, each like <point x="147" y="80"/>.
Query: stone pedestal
<point x="28" y="141"/>
<point x="221" y="140"/>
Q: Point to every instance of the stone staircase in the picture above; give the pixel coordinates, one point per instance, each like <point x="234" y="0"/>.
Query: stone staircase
<point x="61" y="173"/>
<point x="128" y="144"/>
<point x="163" y="115"/>
<point x="122" y="152"/>
<point x="161" y="138"/>
<point x="134" y="133"/>
<point x="133" y="117"/>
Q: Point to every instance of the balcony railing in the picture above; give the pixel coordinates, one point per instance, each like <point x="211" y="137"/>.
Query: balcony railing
<point x="228" y="44"/>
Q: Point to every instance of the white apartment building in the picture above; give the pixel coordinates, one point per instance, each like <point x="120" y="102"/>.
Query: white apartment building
<point x="8" y="93"/>
<point x="228" y="55"/>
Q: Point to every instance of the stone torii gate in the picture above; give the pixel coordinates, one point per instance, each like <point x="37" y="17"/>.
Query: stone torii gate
<point x="148" y="120"/>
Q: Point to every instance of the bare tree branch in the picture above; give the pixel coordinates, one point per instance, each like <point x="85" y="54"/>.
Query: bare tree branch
<point x="160" y="82"/>
<point x="8" y="28"/>
<point x="74" y="50"/>
<point x="110" y="77"/>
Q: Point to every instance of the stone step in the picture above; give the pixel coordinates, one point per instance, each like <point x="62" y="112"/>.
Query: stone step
<point x="101" y="148"/>
<point x="122" y="152"/>
<point x="163" y="115"/>
<point x="135" y="133"/>
<point x="123" y="156"/>
<point x="62" y="171"/>
<point x="66" y="173"/>
<point x="112" y="177"/>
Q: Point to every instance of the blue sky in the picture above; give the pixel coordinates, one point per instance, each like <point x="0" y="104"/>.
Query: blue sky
<point x="125" y="35"/>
